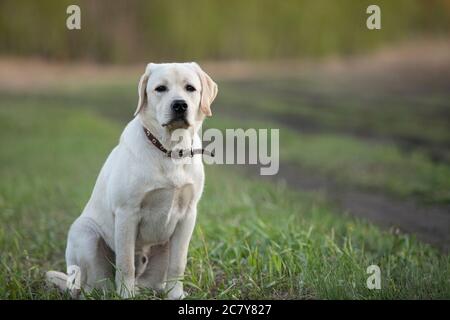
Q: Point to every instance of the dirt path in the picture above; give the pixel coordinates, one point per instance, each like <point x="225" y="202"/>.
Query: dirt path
<point x="430" y="223"/>
<point x="419" y="73"/>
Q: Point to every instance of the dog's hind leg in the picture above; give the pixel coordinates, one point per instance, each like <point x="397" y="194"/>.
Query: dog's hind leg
<point x="88" y="251"/>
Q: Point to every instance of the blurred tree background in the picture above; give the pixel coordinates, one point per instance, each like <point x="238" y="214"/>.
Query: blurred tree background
<point x="127" y="31"/>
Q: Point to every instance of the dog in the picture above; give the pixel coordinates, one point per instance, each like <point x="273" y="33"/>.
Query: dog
<point x="135" y="230"/>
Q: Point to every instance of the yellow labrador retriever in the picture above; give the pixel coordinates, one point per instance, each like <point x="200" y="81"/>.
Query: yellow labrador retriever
<point x="136" y="227"/>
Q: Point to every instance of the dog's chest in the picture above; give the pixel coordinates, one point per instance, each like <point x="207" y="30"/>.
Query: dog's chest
<point x="161" y="209"/>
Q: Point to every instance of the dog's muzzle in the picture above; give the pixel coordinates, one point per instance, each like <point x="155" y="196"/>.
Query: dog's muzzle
<point x="179" y="111"/>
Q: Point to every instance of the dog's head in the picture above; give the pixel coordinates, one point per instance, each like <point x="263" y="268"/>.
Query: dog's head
<point x="176" y="95"/>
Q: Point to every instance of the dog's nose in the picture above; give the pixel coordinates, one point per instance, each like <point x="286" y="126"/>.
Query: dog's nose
<point x="179" y="106"/>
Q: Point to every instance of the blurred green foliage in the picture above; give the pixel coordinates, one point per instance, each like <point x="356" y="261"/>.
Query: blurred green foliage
<point x="125" y="31"/>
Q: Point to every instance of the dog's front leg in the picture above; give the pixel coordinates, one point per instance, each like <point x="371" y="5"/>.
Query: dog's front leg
<point x="178" y="250"/>
<point x="125" y="241"/>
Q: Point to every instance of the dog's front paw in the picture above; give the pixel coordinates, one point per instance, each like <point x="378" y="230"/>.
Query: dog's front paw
<point x="126" y="290"/>
<point x="177" y="293"/>
<point x="126" y="294"/>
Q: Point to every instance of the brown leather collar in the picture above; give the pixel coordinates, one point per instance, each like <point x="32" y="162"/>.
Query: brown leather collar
<point x="172" y="153"/>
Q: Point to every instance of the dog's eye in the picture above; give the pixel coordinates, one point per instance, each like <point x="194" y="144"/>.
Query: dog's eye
<point x="161" y="88"/>
<point x="190" y="88"/>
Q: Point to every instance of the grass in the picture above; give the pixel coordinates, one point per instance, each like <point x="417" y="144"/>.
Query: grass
<point x="252" y="240"/>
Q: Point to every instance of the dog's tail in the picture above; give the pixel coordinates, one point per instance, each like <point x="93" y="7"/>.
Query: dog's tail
<point x="70" y="282"/>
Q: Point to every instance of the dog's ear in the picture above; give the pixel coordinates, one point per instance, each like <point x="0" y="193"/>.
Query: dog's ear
<point x="209" y="90"/>
<point x="142" y="89"/>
